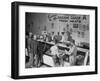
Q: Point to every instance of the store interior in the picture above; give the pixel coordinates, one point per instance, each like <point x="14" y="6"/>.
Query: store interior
<point x="44" y="24"/>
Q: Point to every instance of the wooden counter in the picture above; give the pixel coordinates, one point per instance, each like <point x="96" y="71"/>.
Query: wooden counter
<point x="47" y="58"/>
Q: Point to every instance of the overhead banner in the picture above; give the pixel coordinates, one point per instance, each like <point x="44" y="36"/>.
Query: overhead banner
<point x="67" y="18"/>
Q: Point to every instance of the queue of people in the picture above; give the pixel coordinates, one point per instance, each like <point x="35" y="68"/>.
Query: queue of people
<point x="34" y="59"/>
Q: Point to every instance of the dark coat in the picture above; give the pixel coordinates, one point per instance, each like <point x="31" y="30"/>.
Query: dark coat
<point x="34" y="46"/>
<point x="57" y="37"/>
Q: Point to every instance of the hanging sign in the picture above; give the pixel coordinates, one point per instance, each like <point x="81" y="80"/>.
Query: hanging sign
<point x="65" y="18"/>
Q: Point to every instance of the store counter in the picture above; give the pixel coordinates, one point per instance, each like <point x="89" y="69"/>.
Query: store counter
<point x="47" y="57"/>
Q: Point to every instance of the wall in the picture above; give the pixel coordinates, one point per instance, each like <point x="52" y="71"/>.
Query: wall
<point x="56" y="22"/>
<point x="5" y="40"/>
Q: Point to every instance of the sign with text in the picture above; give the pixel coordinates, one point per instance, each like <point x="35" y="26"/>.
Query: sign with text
<point x="67" y="18"/>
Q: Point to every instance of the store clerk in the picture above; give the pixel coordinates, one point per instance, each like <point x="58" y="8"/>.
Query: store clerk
<point x="63" y="37"/>
<point x="72" y="53"/>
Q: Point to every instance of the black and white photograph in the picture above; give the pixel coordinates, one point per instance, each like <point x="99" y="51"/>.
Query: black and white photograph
<point x="56" y="40"/>
<point x="51" y="40"/>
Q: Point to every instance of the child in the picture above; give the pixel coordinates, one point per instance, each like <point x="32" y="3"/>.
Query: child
<point x="54" y="51"/>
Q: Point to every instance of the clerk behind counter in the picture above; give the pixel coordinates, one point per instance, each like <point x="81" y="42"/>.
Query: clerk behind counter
<point x="73" y="49"/>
